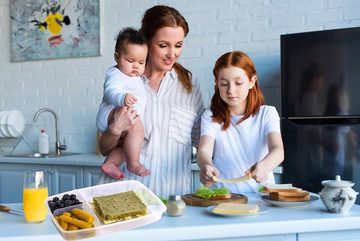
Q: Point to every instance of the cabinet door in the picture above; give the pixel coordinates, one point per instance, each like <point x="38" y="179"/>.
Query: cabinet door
<point x="12" y="178"/>
<point x="91" y="176"/>
<point x="65" y="178"/>
<point x="341" y="235"/>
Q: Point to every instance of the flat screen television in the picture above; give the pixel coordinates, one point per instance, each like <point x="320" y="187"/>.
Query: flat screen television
<point x="320" y="107"/>
<point x="331" y="57"/>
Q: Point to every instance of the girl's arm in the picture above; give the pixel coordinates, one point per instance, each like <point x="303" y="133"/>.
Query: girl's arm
<point x="204" y="160"/>
<point x="275" y="156"/>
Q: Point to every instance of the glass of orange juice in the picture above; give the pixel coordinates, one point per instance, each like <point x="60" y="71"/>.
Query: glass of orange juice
<point x="35" y="192"/>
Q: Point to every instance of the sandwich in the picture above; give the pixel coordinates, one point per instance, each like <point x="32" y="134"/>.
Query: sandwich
<point x="292" y="196"/>
<point x="268" y="188"/>
<point x="120" y="206"/>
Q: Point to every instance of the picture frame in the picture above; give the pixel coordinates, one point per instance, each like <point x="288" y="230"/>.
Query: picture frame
<point x="54" y="29"/>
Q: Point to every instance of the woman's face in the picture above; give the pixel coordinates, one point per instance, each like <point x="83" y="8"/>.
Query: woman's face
<point x="234" y="86"/>
<point x="165" y="48"/>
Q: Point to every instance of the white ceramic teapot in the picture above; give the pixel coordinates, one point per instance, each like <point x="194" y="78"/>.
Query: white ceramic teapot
<point x="337" y="195"/>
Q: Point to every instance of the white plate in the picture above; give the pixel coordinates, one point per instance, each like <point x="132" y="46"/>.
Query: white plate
<point x="262" y="210"/>
<point x="289" y="204"/>
<point x="15" y="123"/>
<point x="3" y="125"/>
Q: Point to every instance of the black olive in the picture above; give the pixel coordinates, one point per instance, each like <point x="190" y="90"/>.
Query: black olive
<point x="67" y="203"/>
<point x="66" y="197"/>
<point x="51" y="205"/>
<point x="55" y="199"/>
<point x="57" y="203"/>
<point x="72" y="197"/>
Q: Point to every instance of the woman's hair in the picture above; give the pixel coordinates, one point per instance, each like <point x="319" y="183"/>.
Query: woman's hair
<point x="161" y="16"/>
<point x="255" y="98"/>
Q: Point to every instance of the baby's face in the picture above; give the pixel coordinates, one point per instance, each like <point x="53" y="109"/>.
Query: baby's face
<point x="131" y="60"/>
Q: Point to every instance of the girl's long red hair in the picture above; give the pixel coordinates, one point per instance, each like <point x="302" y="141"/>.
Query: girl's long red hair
<point x="255" y="98"/>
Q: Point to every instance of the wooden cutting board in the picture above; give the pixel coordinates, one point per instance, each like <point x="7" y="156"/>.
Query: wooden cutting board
<point x="192" y="200"/>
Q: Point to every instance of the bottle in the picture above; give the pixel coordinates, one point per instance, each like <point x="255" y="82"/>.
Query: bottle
<point x="43" y="142"/>
<point x="175" y="206"/>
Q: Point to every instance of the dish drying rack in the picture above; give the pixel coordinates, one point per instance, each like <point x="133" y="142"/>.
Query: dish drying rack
<point x="13" y="142"/>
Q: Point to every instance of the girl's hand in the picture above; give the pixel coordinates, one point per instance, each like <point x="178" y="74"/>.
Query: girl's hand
<point x="129" y="100"/>
<point x="206" y="174"/>
<point x="258" y="172"/>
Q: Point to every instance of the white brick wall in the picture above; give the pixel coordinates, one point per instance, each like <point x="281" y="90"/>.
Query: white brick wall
<point x="73" y="87"/>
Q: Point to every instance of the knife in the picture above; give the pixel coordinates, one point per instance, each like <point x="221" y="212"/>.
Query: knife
<point x="232" y="180"/>
<point x="7" y="209"/>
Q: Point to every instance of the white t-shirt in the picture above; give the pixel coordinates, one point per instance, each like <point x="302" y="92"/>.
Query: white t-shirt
<point x="241" y="145"/>
<point x="116" y="86"/>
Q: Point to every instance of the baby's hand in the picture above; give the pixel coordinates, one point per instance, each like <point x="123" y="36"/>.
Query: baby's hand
<point x="129" y="100"/>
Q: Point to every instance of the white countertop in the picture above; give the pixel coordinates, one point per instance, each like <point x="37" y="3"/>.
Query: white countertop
<point x="197" y="223"/>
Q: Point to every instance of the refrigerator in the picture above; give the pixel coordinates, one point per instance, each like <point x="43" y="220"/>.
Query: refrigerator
<point x="320" y="107"/>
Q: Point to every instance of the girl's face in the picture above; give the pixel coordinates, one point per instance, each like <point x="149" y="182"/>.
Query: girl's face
<point x="131" y="60"/>
<point x="234" y="86"/>
<point x="165" y="48"/>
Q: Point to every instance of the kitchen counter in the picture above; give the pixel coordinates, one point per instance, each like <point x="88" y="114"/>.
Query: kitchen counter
<point x="77" y="160"/>
<point x="311" y="222"/>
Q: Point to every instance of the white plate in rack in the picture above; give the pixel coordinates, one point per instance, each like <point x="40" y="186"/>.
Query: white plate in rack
<point x="3" y="124"/>
<point x="15" y="123"/>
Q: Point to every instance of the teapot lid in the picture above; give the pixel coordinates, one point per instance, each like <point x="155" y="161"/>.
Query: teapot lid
<point x="337" y="183"/>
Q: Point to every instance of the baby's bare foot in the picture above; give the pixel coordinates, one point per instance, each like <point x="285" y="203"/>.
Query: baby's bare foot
<point x="112" y="170"/>
<point x="139" y="170"/>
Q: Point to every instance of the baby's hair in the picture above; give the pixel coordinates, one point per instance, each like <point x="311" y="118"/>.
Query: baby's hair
<point x="129" y="35"/>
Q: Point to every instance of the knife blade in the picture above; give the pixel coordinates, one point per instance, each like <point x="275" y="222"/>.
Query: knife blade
<point x="232" y="180"/>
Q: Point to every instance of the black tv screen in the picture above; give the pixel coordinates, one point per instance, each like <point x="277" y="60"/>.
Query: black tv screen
<point x="315" y="63"/>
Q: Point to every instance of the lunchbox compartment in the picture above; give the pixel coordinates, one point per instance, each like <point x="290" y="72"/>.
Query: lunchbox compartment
<point x="155" y="209"/>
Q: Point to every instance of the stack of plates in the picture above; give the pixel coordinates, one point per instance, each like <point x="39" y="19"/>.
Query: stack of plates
<point x="12" y="123"/>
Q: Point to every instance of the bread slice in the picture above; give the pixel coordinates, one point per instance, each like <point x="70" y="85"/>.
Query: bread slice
<point x="280" y="188"/>
<point x="119" y="206"/>
<point x="236" y="208"/>
<point x="290" y="196"/>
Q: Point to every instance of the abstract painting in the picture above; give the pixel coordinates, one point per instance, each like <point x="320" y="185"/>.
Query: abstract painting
<point x="52" y="29"/>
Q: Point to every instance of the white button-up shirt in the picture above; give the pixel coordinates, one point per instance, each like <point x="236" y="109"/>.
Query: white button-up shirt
<point x="172" y="126"/>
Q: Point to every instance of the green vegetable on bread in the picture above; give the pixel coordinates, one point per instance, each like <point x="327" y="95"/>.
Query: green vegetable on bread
<point x="206" y="193"/>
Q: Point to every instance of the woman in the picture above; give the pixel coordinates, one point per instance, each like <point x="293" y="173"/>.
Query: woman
<point x="173" y="108"/>
<point x="239" y="134"/>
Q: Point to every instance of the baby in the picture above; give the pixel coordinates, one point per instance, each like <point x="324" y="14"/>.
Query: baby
<point x="124" y="87"/>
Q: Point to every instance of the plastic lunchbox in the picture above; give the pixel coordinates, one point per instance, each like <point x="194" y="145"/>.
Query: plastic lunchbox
<point x="155" y="209"/>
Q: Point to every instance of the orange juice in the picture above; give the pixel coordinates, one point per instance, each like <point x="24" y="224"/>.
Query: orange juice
<point x="34" y="204"/>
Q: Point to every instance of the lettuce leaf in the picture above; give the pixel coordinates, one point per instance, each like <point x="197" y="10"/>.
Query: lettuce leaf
<point x="206" y="193"/>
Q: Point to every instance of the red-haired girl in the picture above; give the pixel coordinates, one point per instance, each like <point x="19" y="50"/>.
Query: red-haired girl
<point x="239" y="134"/>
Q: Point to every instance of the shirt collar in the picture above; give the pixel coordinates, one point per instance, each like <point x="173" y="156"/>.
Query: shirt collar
<point x="172" y="74"/>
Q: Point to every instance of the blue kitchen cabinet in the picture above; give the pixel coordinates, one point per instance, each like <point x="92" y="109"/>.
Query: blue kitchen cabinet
<point x="61" y="178"/>
<point x="91" y="175"/>
<point x="65" y="178"/>
<point x="12" y="178"/>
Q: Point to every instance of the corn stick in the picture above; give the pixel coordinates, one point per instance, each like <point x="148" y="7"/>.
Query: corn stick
<point x="76" y="222"/>
<point x="82" y="215"/>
